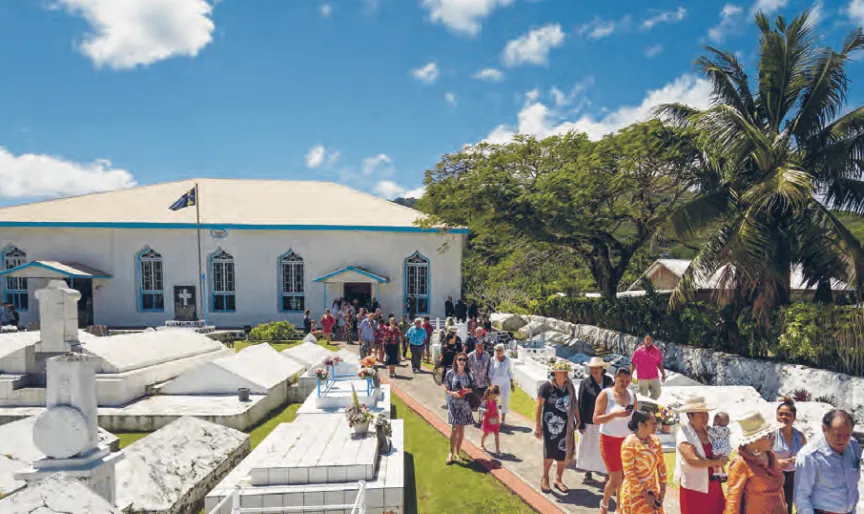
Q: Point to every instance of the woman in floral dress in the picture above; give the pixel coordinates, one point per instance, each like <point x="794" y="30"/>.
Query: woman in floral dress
<point x="458" y="381"/>
<point x="644" y="484"/>
<point x="557" y="417"/>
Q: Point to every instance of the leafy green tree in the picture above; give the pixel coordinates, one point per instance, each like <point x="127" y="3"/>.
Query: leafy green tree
<point x="781" y="157"/>
<point x="596" y="203"/>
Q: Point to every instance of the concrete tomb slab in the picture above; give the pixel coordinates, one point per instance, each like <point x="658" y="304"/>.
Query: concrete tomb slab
<point x="308" y="354"/>
<point x="171" y="470"/>
<point x="57" y="494"/>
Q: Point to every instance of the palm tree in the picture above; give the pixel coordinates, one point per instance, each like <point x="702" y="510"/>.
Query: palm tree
<point x="783" y="159"/>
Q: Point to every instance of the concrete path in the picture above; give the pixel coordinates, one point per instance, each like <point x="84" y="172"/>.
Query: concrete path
<point x="522" y="453"/>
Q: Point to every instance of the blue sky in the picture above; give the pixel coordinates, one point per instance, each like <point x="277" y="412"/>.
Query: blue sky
<point x="101" y="94"/>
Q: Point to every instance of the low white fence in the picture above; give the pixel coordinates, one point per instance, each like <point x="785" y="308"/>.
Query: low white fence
<point x="358" y="507"/>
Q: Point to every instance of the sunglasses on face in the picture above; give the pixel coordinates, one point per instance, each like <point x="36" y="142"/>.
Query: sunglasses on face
<point x="461" y="360"/>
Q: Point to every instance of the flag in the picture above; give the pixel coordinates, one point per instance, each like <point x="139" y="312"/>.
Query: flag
<point x="187" y="200"/>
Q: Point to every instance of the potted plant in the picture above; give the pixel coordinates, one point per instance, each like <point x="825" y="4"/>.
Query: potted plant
<point x="368" y="362"/>
<point x="358" y="414"/>
<point x="322" y="373"/>
<point x="370" y="374"/>
<point x="666" y="418"/>
<point x="332" y="361"/>
<point x="383" y="430"/>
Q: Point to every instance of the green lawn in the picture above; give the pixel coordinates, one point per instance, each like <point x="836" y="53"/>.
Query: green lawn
<point x="441" y="488"/>
<point x="127" y="438"/>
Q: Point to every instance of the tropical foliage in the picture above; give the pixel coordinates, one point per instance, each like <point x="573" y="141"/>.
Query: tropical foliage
<point x="275" y="331"/>
<point x="781" y="153"/>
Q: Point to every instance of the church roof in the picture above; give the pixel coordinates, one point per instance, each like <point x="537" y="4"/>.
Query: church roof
<point x="223" y="204"/>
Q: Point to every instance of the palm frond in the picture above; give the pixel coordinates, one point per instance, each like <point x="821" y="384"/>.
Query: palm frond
<point x="701" y="212"/>
<point x="676" y="114"/>
<point x="786" y="188"/>
<point x="704" y="265"/>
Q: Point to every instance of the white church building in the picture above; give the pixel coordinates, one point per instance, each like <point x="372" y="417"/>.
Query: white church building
<point x="268" y="250"/>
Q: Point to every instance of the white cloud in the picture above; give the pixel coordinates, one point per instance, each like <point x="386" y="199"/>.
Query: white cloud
<point x="538" y="119"/>
<point x="816" y="13"/>
<point x="451" y="99"/>
<point x="768" y="6"/>
<point x="664" y="17"/>
<point x="374" y="163"/>
<point x="729" y="17"/>
<point x="565" y="99"/>
<point x="598" y="28"/>
<point x="389" y="189"/>
<point x="489" y="74"/>
<point x="318" y="154"/>
<point x="462" y="16"/>
<point x="427" y="74"/>
<point x="856" y="11"/>
<point x="131" y="33"/>
<point x="37" y="175"/>
<point x="533" y="47"/>
<point x="653" y="51"/>
<point x="326" y="10"/>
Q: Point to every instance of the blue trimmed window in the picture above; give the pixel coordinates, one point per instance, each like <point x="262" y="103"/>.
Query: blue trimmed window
<point x="417" y="282"/>
<point x="222" y="271"/>
<point x="151" y="288"/>
<point x="16" y="287"/>
<point x="291" y="278"/>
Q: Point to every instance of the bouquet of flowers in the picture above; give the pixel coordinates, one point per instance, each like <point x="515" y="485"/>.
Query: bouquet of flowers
<point x="666" y="416"/>
<point x="368" y="362"/>
<point x="332" y="361"/>
<point x="357" y="413"/>
<point x="367" y="372"/>
<point x="382" y="421"/>
<point x="322" y="373"/>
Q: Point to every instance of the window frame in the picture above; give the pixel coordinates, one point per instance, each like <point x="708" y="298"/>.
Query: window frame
<point x="227" y="263"/>
<point x="15" y="288"/>
<point x="300" y="262"/>
<point x="427" y="264"/>
<point x="149" y="258"/>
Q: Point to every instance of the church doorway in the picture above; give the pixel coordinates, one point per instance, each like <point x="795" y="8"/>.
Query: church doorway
<point x="362" y="292"/>
<point x="85" y="304"/>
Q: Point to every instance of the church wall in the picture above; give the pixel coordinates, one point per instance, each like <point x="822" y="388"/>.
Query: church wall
<point x="256" y="255"/>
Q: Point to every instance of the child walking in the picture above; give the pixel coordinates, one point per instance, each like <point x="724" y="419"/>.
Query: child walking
<point x="720" y="446"/>
<point x="491" y="418"/>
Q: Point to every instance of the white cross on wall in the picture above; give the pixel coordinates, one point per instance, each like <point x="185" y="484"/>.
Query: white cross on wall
<point x="185" y="295"/>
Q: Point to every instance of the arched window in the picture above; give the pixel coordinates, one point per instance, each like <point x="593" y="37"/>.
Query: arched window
<point x="222" y="271"/>
<point x="291" y="273"/>
<point x="16" y="287"/>
<point x="417" y="282"/>
<point x="151" y="294"/>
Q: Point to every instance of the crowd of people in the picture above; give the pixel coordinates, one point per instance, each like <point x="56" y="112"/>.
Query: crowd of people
<point x="775" y="468"/>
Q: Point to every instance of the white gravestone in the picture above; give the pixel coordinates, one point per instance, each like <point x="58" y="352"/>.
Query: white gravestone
<point x="58" y="317"/>
<point x="67" y="431"/>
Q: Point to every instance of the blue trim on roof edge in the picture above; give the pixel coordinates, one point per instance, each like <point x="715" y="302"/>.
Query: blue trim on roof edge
<point x="380" y="280"/>
<point x="218" y="226"/>
<point x="41" y="265"/>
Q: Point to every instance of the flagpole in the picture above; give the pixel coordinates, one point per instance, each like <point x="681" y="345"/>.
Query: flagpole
<point x="202" y="314"/>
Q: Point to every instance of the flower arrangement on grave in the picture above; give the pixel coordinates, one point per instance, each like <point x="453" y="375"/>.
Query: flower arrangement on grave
<point x="666" y="417"/>
<point x="332" y="361"/>
<point x="357" y="414"/>
<point x="322" y="373"/>
<point x="383" y="431"/>
<point x="368" y="362"/>
<point x="551" y="361"/>
<point x="382" y="421"/>
<point x="368" y="373"/>
<point x="561" y="365"/>
<point x="514" y="354"/>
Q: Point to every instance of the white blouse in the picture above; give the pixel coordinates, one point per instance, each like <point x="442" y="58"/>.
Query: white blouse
<point x="499" y="371"/>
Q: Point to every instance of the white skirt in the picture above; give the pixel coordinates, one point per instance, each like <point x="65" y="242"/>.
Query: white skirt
<point x="504" y="401"/>
<point x="588" y="456"/>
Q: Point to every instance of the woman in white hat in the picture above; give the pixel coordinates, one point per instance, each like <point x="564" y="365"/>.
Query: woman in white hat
<point x="701" y="491"/>
<point x="501" y="374"/>
<point x="755" y="477"/>
<point x="588" y="458"/>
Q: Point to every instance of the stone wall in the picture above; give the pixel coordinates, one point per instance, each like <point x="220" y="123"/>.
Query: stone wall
<point x="771" y="379"/>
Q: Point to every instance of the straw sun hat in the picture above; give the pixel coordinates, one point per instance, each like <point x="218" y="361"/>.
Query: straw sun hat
<point x="597" y="362"/>
<point x="695" y="404"/>
<point x="754" y="427"/>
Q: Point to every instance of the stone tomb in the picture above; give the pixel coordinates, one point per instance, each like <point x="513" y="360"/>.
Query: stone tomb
<point x="57" y="494"/>
<point x="171" y="470"/>
<point x="316" y="462"/>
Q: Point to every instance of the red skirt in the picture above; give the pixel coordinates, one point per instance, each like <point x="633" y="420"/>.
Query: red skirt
<point x="694" y="502"/>
<point x="610" y="450"/>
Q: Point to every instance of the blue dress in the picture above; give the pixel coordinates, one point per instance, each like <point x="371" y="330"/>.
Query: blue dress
<point x="785" y="451"/>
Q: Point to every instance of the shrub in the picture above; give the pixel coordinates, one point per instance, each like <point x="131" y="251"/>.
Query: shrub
<point x="830" y="400"/>
<point x="801" y="395"/>
<point x="275" y="331"/>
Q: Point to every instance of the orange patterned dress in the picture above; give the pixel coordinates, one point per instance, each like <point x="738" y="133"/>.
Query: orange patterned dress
<point x="644" y="469"/>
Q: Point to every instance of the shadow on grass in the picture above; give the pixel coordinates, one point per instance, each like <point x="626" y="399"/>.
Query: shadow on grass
<point x="410" y="485"/>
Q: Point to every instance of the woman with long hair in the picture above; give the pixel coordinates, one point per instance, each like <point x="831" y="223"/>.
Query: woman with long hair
<point x="788" y="441"/>
<point x="644" y="485"/>
<point x="612" y="411"/>
<point x="458" y="382"/>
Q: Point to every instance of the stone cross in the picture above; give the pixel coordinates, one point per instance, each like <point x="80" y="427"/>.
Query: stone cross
<point x="185" y="296"/>
<point x="58" y="317"/>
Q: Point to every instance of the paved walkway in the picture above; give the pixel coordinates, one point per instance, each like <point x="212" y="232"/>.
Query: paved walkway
<point x="522" y="453"/>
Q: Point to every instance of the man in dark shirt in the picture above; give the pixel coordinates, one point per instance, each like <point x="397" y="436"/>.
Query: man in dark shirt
<point x="589" y="459"/>
<point x="449" y="309"/>
<point x="461" y="311"/>
<point x="472" y="309"/>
